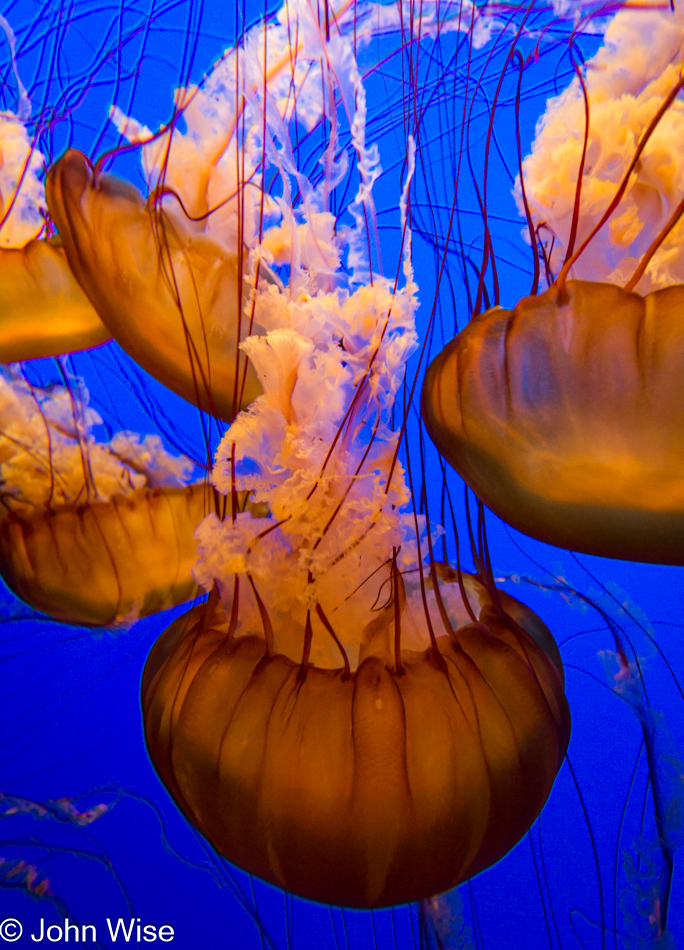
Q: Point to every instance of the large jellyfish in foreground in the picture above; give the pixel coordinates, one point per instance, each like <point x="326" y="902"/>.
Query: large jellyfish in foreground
<point x="510" y="892"/>
<point x="389" y="783"/>
<point x="391" y="774"/>
<point x="565" y="413"/>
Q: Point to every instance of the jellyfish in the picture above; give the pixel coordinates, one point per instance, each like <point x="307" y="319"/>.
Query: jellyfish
<point x="563" y="413"/>
<point x="195" y="248"/>
<point x="316" y="612"/>
<point x="553" y="888"/>
<point x="362" y="784"/>
<point x="79" y="515"/>
<point x="44" y="311"/>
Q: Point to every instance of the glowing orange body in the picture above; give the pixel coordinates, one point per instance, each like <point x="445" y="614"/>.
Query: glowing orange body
<point x="168" y="294"/>
<point x="567" y="420"/>
<point x="374" y="789"/>
<point x="43" y="311"/>
<point x="104" y="563"/>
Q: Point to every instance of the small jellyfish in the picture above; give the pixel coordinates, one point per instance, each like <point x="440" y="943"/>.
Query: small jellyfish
<point x="564" y="414"/>
<point x="43" y="311"/>
<point x="91" y="533"/>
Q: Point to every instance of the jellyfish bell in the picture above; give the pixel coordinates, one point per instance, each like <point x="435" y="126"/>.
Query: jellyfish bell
<point x="43" y="311"/>
<point x="94" y="564"/>
<point x="169" y="295"/>
<point x="91" y="533"/>
<point x="382" y="785"/>
<point x="564" y="418"/>
<point x="564" y="414"/>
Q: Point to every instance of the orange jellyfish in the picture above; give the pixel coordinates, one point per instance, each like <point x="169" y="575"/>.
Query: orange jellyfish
<point x="565" y="414"/>
<point x="349" y="723"/>
<point x="172" y="276"/>
<point x="43" y="311"/>
<point x="169" y="294"/>
<point x="345" y="717"/>
<point x="80" y="518"/>
<point x="379" y="785"/>
<point x="90" y="563"/>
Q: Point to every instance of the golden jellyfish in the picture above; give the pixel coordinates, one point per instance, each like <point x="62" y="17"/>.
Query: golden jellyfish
<point x="79" y="517"/>
<point x="379" y="785"/>
<point x="43" y="311"/>
<point x="173" y="277"/>
<point x="564" y="414"/>
<point x="398" y="774"/>
<point x="345" y="717"/>
<point x="169" y="294"/>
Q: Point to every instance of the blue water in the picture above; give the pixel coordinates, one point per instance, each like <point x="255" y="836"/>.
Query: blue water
<point x="587" y="874"/>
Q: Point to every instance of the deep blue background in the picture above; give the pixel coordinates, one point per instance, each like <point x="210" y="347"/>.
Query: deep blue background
<point x="70" y="718"/>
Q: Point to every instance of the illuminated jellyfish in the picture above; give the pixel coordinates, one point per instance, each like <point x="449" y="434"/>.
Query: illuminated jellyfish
<point x="553" y="889"/>
<point x="78" y="516"/>
<point x="564" y="413"/>
<point x="43" y="310"/>
<point x="178" y="261"/>
<point x="365" y="787"/>
<point x="356" y="723"/>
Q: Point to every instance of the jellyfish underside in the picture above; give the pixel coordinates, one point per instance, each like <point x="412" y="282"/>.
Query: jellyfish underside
<point x="168" y="294"/>
<point x="106" y="562"/>
<point x="565" y="418"/>
<point x="384" y="785"/>
<point x="43" y="310"/>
